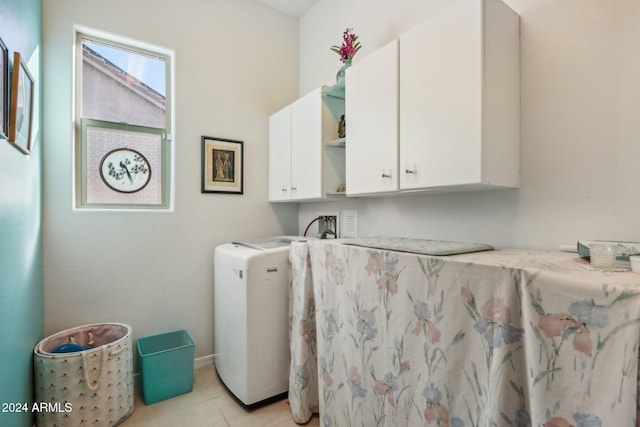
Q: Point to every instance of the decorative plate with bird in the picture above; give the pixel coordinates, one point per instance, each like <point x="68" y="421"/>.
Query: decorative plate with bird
<point x="125" y="170"/>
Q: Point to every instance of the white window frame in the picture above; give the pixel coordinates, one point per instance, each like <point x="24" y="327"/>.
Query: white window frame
<point x="168" y="150"/>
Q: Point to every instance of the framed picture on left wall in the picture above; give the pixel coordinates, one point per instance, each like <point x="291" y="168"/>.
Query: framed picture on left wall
<point x="222" y="166"/>
<point x="4" y="90"/>
<point x="21" y="106"/>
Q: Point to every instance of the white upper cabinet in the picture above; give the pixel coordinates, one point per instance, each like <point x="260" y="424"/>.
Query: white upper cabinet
<point x="371" y="105"/>
<point x="438" y="109"/>
<point x="459" y="99"/>
<point x="280" y="155"/>
<point x="301" y="166"/>
<point x="306" y="146"/>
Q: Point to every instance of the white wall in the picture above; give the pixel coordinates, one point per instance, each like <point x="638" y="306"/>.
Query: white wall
<point x="236" y="63"/>
<point x="580" y="125"/>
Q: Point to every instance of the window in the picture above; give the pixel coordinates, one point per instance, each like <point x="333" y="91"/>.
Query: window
<point x="123" y="119"/>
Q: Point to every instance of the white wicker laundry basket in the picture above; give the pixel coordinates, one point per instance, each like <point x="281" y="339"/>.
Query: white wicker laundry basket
<point x="92" y="387"/>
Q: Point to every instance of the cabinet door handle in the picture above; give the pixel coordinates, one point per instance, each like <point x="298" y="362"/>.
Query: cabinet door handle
<point x="294" y="188"/>
<point x="386" y="175"/>
<point x="409" y="171"/>
<point x="284" y="189"/>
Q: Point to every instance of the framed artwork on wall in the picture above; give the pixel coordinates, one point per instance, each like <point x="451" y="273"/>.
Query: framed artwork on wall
<point x="4" y="90"/>
<point x="222" y="166"/>
<point x="123" y="166"/>
<point x="125" y="170"/>
<point x="21" y="106"/>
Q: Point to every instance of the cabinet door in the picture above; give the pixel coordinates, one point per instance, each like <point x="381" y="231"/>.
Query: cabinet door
<point x="371" y="113"/>
<point x="280" y="155"/>
<point x="440" y="99"/>
<point x="306" y="147"/>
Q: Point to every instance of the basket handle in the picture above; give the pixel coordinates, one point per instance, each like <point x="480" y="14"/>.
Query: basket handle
<point x="93" y="386"/>
<point x="120" y="348"/>
<point x="104" y="355"/>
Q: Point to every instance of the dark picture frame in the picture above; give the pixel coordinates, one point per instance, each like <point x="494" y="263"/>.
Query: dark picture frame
<point x="21" y="109"/>
<point x="222" y="166"/>
<point x="4" y="90"/>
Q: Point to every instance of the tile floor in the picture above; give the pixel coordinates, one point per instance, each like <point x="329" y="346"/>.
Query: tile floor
<point x="209" y="405"/>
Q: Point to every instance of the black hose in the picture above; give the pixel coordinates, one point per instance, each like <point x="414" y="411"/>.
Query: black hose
<point x="307" y="229"/>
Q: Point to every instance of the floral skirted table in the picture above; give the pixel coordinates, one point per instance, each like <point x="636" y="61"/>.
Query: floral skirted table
<point x="499" y="338"/>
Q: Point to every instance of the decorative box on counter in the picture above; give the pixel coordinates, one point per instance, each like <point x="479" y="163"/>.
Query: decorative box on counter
<point x="624" y="250"/>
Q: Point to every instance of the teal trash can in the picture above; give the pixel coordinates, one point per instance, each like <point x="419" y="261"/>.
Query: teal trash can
<point x="166" y="365"/>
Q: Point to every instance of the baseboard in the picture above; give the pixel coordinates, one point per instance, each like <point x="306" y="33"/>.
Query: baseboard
<point x="203" y="361"/>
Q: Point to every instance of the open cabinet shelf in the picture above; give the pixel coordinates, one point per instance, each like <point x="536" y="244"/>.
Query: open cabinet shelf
<point x="335" y="91"/>
<point x="340" y="143"/>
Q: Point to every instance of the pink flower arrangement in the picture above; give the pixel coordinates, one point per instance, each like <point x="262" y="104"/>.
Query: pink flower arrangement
<point x="350" y="45"/>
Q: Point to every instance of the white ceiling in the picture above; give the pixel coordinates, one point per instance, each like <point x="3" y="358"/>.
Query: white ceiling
<point x="290" y="7"/>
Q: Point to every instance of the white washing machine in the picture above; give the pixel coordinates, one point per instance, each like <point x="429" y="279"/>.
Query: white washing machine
<point x="251" y="315"/>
